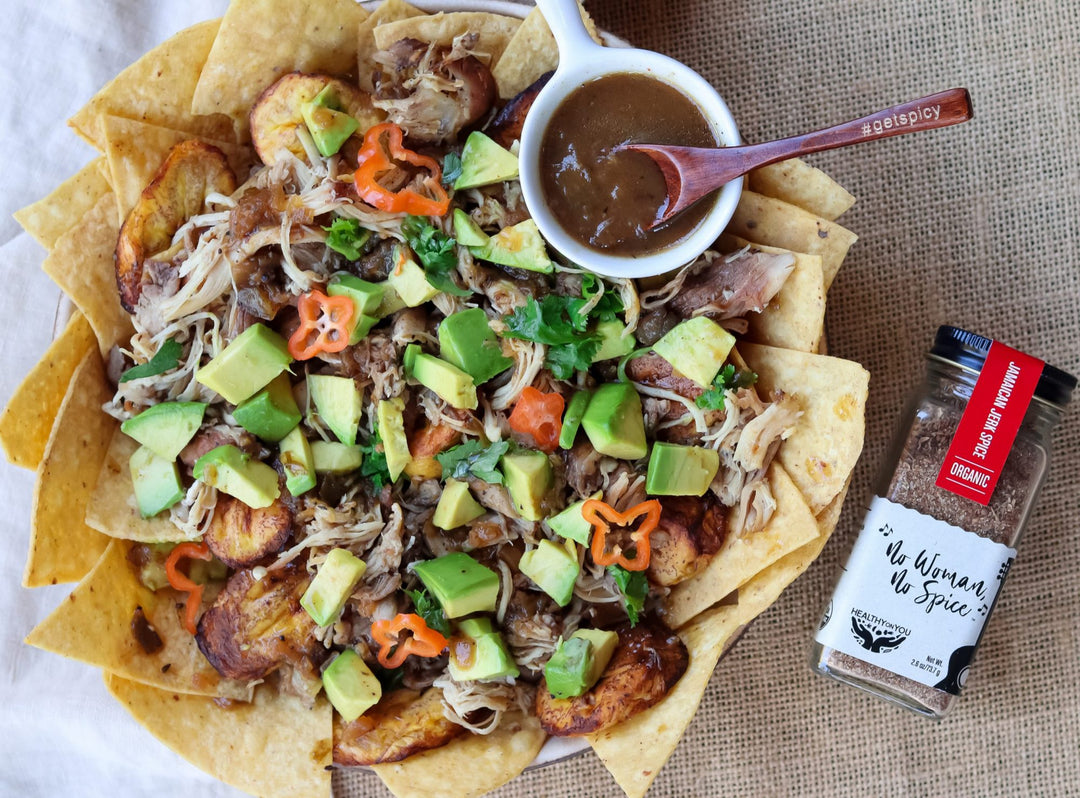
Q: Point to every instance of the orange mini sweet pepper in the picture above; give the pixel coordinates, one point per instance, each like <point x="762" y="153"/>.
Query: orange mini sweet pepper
<point x="324" y="325"/>
<point x="602" y="516"/>
<point x="422" y="640"/>
<point x="540" y="415"/>
<point x="181" y="582"/>
<point x="376" y="158"/>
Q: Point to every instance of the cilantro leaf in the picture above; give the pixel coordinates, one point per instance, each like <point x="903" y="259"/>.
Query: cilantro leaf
<point x="346" y="236"/>
<point x="634" y="587"/>
<point x="610" y="305"/>
<point x="473" y="458"/>
<point x="564" y="359"/>
<point x="374" y="466"/>
<point x="557" y="322"/>
<point x="165" y="359"/>
<point x="430" y="610"/>
<point x="451" y="169"/>
<point x="436" y="251"/>
<point x="727" y="380"/>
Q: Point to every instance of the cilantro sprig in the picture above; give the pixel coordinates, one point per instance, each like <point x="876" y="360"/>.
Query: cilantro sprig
<point x="634" y="587"/>
<point x="451" y="169"/>
<point x="727" y="380"/>
<point x="430" y="610"/>
<point x="437" y="253"/>
<point x="347" y="237"/>
<point x="165" y="359"/>
<point x="474" y="458"/>
<point x="374" y="466"/>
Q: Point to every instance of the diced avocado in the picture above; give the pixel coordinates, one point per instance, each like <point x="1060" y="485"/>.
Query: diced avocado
<point x="676" y="470"/>
<point x="248" y="363"/>
<point x="445" y="379"/>
<point x="571" y="421"/>
<point x="156" y="480"/>
<point x="152" y="570"/>
<point x="331" y="457"/>
<point x="579" y="662"/>
<point x="408" y="280"/>
<point x="350" y="685"/>
<point x="390" y="418"/>
<point x="519" y="246"/>
<point x="696" y="348"/>
<point x="338" y="402"/>
<point x="467" y="341"/>
<point x="366" y="297"/>
<point x="614" y="422"/>
<point x="272" y="412"/>
<point x="553" y="568"/>
<point x="297" y="460"/>
<point x="166" y="428"/>
<point x="612" y="341"/>
<point x="334" y="582"/>
<point x="484" y="162"/>
<point x="202" y="572"/>
<point x="570" y="524"/>
<point x="391" y="302"/>
<point x="456" y="506"/>
<point x="529" y="477"/>
<point x="479" y="653"/>
<point x="466" y="231"/>
<point x="330" y="127"/>
<point x="461" y="585"/>
<point x="233" y="472"/>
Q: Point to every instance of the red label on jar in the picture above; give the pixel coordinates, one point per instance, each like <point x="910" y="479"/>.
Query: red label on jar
<point x="989" y="424"/>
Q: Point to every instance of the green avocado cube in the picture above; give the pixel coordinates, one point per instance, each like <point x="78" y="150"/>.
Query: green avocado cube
<point x="331" y="457"/>
<point x="408" y="279"/>
<point x="248" y="363"/>
<point x="520" y="246"/>
<point x="298" y="462"/>
<point x="390" y="417"/>
<point x="446" y="380"/>
<point x="166" y="428"/>
<point x="614" y="422"/>
<point x="334" y="582"/>
<point x="456" y="506"/>
<point x="553" y="568"/>
<point x="676" y="470"/>
<point x="366" y="298"/>
<point x="570" y="523"/>
<point x="579" y="662"/>
<point x="484" y="162"/>
<point x="529" y="478"/>
<point x="339" y="404"/>
<point x="350" y="685"/>
<point x="467" y="232"/>
<point x="156" y="481"/>
<point x="479" y="653"/>
<point x="271" y="413"/>
<point x="238" y="474"/>
<point x="459" y="583"/>
<point x="328" y="125"/>
<point x="571" y="422"/>
<point x="613" y="343"/>
<point x="467" y="341"/>
<point x="696" y="348"/>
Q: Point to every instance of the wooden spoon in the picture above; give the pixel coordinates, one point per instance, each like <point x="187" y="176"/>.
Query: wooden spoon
<point x="692" y="172"/>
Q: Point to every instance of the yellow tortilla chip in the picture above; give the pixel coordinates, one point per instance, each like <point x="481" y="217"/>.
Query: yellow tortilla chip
<point x="62" y="547"/>
<point x="494" y="30"/>
<point x="742" y="556"/>
<point x="82" y="265"/>
<point x="94" y="625"/>
<point x="261" y="40"/>
<point x="49" y="218"/>
<point x="135" y="151"/>
<point x="157" y="89"/>
<point x="389" y="11"/>
<point x="274" y="747"/>
<point x="113" y="510"/>
<point x="828" y="438"/>
<point x="27" y="420"/>
<point x="765" y="220"/>
<point x="468" y="766"/>
<point x="530" y="53"/>
<point x="801" y="184"/>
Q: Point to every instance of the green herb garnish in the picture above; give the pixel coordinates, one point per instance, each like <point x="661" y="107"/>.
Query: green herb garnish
<point x="556" y="322"/>
<point x="473" y="458"/>
<point x="430" y="610"/>
<point x="437" y="253"/>
<point x="165" y="359"/>
<point x="727" y="380"/>
<point x="634" y="587"/>
<point x="374" y="466"/>
<point x="347" y="237"/>
<point x="451" y="169"/>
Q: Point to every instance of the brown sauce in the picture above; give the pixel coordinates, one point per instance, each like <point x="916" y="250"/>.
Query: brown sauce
<point x="607" y="200"/>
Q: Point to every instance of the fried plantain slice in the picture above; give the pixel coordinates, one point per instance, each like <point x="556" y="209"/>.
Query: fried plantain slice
<point x="191" y="171"/>
<point x="690" y="531"/>
<point x="403" y="723"/>
<point x="256" y="626"/>
<point x="648" y="661"/>
<point x="240" y="536"/>
<point x="276" y="114"/>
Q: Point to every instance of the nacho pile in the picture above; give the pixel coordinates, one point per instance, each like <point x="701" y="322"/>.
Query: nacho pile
<point x="334" y="444"/>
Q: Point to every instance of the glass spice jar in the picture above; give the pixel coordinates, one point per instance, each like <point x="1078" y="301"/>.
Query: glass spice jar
<point x="963" y="476"/>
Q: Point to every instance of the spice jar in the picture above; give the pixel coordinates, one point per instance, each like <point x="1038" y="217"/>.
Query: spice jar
<point x="935" y="547"/>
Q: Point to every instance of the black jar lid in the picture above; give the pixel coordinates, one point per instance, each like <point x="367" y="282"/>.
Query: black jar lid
<point x="969" y="350"/>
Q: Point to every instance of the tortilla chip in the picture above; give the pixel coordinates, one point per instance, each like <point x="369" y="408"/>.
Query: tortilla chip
<point x="27" y="420"/>
<point x="821" y="452"/>
<point x="467" y="766"/>
<point x="93" y="625"/>
<point x="135" y="152"/>
<point x="113" y="510"/>
<point x="801" y="184"/>
<point x="795" y="319"/>
<point x="261" y="40"/>
<point x="765" y="220"/>
<point x="530" y="53"/>
<point x="494" y="31"/>
<point x="273" y="747"/>
<point x="62" y="547"/>
<point x="157" y="89"/>
<point x="49" y="218"/>
<point x="390" y="11"/>
<point x="82" y="265"/>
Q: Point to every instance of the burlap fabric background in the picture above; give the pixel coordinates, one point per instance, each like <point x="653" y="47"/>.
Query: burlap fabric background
<point x="977" y="225"/>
